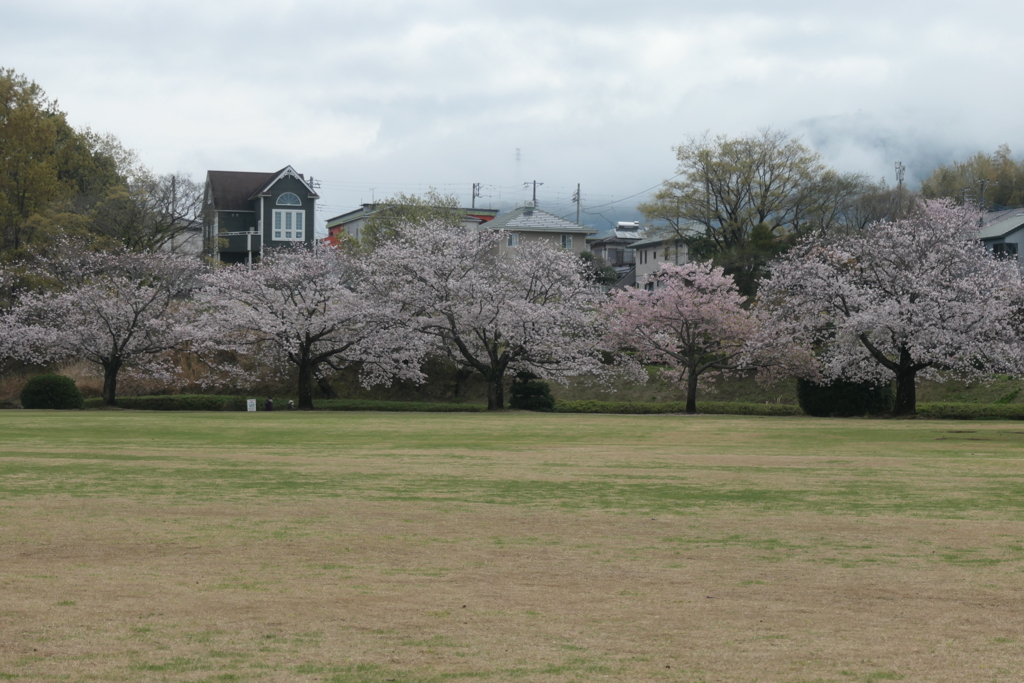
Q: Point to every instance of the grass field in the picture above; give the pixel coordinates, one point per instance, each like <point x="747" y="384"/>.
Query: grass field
<point x="433" y="547"/>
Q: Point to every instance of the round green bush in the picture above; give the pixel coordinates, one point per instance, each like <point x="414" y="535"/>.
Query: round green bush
<point x="845" y="399"/>
<point x="529" y="393"/>
<point x="51" y="391"/>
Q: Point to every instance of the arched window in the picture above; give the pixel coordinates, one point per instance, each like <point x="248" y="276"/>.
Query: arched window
<point x="289" y="199"/>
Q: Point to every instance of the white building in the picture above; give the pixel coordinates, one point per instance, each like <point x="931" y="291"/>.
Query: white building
<point x="651" y="253"/>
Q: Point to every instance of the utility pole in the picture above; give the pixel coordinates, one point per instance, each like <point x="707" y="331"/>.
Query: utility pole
<point x="981" y="198"/>
<point x="475" y="194"/>
<point x="900" y="172"/>
<point x="576" y="201"/>
<point x="535" y="184"/>
<point x="984" y="186"/>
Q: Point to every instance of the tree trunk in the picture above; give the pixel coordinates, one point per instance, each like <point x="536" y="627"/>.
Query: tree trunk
<point x="496" y="392"/>
<point x="110" y="370"/>
<point x="461" y="375"/>
<point x="305" y="383"/>
<point x="906" y="392"/>
<point x="325" y="386"/>
<point x="691" y="392"/>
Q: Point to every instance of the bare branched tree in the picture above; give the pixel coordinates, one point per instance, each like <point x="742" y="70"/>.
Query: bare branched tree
<point x="150" y="211"/>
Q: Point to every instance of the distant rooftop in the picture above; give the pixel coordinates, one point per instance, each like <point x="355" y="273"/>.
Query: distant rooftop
<point x="535" y="220"/>
<point x="1003" y="225"/>
<point x="367" y="209"/>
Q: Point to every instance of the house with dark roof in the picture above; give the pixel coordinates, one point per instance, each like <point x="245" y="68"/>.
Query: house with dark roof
<point x="614" y="247"/>
<point x="1004" y="234"/>
<point x="528" y="224"/>
<point x="245" y="212"/>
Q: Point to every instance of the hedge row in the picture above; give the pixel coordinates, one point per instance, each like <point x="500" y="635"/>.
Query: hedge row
<point x="400" y="406"/>
<point x="637" y="408"/>
<point x="176" y="402"/>
<point x="971" y="411"/>
<point x="207" y="402"/>
<point x="936" y="411"/>
<point x="845" y="399"/>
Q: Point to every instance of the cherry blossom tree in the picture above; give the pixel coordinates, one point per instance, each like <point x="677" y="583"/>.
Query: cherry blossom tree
<point x="300" y="308"/>
<point x="528" y="309"/>
<point x="7" y="329"/>
<point x="693" y="321"/>
<point x="116" y="309"/>
<point x="917" y="295"/>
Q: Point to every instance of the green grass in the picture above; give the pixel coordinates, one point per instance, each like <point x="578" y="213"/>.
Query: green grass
<point x="921" y="468"/>
<point x="395" y="526"/>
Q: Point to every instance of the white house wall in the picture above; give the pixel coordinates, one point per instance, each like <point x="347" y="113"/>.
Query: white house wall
<point x="579" y="241"/>
<point x="650" y="258"/>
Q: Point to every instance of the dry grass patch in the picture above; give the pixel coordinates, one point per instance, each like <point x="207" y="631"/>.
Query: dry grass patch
<point x="370" y="547"/>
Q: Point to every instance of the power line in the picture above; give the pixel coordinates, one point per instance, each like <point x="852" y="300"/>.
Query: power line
<point x="556" y="198"/>
<point x="638" y="193"/>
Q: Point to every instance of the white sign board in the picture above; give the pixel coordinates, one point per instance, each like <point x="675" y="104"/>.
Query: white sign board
<point x="250" y="405"/>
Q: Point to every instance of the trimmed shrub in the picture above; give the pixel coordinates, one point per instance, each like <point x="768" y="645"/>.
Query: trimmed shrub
<point x="845" y="399"/>
<point x="530" y="393"/>
<point x="55" y="392"/>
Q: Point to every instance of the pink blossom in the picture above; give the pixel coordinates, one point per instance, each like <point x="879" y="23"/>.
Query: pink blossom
<point x="692" y="321"/>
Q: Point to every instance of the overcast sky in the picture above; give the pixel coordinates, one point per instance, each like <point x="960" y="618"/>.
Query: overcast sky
<point x="372" y="98"/>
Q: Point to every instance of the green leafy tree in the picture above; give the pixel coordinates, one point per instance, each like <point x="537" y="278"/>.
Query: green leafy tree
<point x="50" y="174"/>
<point x="742" y="201"/>
<point x="390" y="216"/>
<point x="991" y="180"/>
<point x="29" y="179"/>
<point x="598" y="268"/>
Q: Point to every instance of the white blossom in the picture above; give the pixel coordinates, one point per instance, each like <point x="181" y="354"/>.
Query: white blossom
<point x="120" y="310"/>
<point x="529" y="309"/>
<point x="917" y="295"/>
<point x="300" y="309"/>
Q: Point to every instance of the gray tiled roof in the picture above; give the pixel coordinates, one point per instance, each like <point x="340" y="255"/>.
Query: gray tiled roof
<point x="535" y="220"/>
<point x="1001" y="228"/>
<point x="652" y="242"/>
<point x="619" y="234"/>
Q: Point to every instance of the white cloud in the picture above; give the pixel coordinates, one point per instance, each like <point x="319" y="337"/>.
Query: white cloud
<point x="444" y="92"/>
